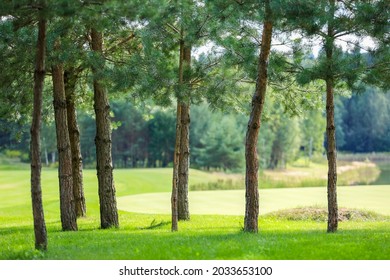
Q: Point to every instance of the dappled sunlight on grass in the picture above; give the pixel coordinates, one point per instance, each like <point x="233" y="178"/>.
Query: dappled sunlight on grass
<point x="204" y="237"/>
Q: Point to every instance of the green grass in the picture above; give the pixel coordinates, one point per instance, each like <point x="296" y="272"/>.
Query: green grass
<point x="232" y="202"/>
<point x="204" y="237"/>
<point x="148" y="236"/>
<point x="15" y="187"/>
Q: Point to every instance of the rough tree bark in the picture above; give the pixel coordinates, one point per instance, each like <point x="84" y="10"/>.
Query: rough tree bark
<point x="70" y="78"/>
<point x="67" y="203"/>
<point x="176" y="156"/>
<point x="35" y="145"/>
<point x="184" y="159"/>
<point x="251" y="158"/>
<point x="175" y="177"/>
<point x="104" y="167"/>
<point x="330" y="127"/>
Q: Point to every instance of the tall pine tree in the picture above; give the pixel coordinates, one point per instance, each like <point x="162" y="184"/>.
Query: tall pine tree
<point x="65" y="176"/>
<point x="338" y="24"/>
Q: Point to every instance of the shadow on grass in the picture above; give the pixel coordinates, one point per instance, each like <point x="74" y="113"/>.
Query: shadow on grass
<point x="11" y="230"/>
<point x="164" y="245"/>
<point x="284" y="240"/>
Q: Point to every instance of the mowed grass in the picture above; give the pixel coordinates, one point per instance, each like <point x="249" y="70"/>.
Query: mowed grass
<point x="232" y="202"/>
<point x="15" y="195"/>
<point x="204" y="237"/>
<point x="148" y="236"/>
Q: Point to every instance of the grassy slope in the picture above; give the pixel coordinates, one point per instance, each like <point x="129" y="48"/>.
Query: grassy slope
<point x="205" y="237"/>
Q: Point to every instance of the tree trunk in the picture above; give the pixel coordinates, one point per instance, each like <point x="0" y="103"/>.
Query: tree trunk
<point x="276" y="155"/>
<point x="175" y="177"/>
<point x="331" y="129"/>
<point x="107" y="199"/>
<point x="332" y="159"/>
<point x="46" y="154"/>
<point x="177" y="152"/>
<point x="70" y="79"/>
<point x="67" y="203"/>
<point x="35" y="145"/>
<point x="184" y="162"/>
<point x="184" y="159"/>
<point x="251" y="158"/>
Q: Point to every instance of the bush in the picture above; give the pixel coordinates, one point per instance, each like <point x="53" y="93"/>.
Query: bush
<point x="13" y="153"/>
<point x="25" y="157"/>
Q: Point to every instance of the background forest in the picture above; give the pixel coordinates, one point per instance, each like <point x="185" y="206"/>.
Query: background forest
<point x="143" y="134"/>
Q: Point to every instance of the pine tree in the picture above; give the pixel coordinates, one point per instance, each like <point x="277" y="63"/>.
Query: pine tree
<point x="65" y="176"/>
<point x="184" y="155"/>
<point x="168" y="40"/>
<point x="334" y="22"/>
<point x="19" y="21"/>
<point x="258" y="100"/>
<point x="104" y="167"/>
<point x="70" y="80"/>
<point x="244" y="20"/>
<point x="222" y="143"/>
<point x="36" y="189"/>
<point x="65" y="53"/>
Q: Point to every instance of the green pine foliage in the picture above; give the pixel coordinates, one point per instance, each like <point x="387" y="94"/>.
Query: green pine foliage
<point x="365" y="122"/>
<point x="221" y="145"/>
<point x="17" y="62"/>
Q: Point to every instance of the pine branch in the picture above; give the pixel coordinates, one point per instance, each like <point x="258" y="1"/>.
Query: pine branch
<point x="177" y="31"/>
<point x="322" y="34"/>
<point x="355" y="44"/>
<point x="125" y="40"/>
<point x="344" y="33"/>
<point x="293" y="85"/>
<point x="246" y="81"/>
<point x="121" y="62"/>
<point x="202" y="25"/>
<point x="211" y="64"/>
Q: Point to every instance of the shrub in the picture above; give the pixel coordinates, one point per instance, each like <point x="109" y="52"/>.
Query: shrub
<point x="12" y="153"/>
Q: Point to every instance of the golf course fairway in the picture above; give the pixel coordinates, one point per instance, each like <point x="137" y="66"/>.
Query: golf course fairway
<point x="232" y="202"/>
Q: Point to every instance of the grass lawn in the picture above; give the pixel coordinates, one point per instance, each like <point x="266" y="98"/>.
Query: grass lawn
<point x="148" y="236"/>
<point x="204" y="237"/>
<point x="232" y="202"/>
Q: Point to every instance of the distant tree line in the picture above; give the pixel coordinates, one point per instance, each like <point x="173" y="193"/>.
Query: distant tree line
<point x="143" y="135"/>
<point x="364" y="122"/>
